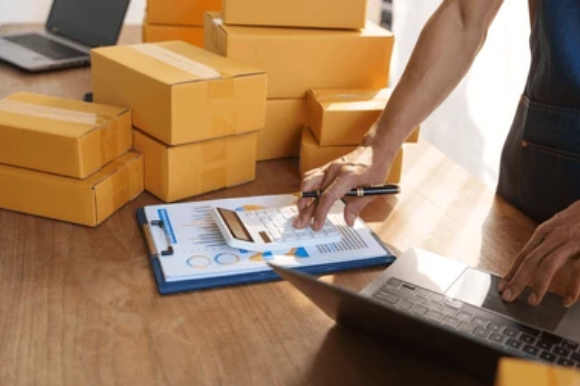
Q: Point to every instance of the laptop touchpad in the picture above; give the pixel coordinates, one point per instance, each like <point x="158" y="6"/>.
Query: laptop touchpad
<point x="480" y="289"/>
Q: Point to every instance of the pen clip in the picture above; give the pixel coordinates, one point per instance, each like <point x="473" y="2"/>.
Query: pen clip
<point x="169" y="251"/>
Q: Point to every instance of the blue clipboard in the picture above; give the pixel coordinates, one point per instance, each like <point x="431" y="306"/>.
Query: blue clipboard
<point x="166" y="288"/>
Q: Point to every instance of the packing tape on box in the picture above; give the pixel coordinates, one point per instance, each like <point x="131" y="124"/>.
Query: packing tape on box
<point x="109" y="142"/>
<point x="215" y="156"/>
<point x="178" y="61"/>
<point x="55" y="113"/>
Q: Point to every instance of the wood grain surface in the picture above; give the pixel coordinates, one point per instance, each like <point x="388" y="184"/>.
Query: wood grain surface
<point x="79" y="306"/>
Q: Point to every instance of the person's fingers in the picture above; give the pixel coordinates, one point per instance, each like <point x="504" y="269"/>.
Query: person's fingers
<point x="354" y="207"/>
<point x="312" y="181"/>
<point x="341" y="185"/>
<point x="532" y="244"/>
<point x="528" y="267"/>
<point x="331" y="172"/>
<point x="305" y="216"/>
<point x="546" y="271"/>
<point x="574" y="287"/>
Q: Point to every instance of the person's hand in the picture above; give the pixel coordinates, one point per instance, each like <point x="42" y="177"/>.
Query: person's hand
<point x="552" y="245"/>
<point x="360" y="168"/>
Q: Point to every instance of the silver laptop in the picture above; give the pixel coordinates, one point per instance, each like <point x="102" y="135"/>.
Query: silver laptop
<point x="450" y="313"/>
<point x="72" y="29"/>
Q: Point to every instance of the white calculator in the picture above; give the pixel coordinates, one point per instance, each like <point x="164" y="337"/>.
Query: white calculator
<point x="270" y="229"/>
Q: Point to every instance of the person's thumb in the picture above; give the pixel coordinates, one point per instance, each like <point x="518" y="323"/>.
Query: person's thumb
<point x="354" y="207"/>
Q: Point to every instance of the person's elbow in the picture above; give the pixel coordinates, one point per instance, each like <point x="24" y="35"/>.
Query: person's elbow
<point x="477" y="15"/>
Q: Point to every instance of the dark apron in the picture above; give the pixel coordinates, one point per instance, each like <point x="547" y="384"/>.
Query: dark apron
<point x="540" y="166"/>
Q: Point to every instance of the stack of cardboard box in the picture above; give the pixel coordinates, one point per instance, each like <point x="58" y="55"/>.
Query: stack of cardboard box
<point x="196" y="114"/>
<point x="302" y="45"/>
<point x="167" y="20"/>
<point x="66" y="160"/>
<point x="338" y="120"/>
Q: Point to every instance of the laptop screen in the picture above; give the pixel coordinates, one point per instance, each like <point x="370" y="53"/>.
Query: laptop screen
<point x="90" y="22"/>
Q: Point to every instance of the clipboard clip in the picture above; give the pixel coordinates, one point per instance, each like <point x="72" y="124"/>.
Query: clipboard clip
<point x="147" y="231"/>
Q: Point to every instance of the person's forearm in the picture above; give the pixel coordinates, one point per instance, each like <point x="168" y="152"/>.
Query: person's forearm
<point x="444" y="53"/>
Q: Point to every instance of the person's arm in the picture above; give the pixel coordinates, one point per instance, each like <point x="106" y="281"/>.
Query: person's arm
<point x="442" y="56"/>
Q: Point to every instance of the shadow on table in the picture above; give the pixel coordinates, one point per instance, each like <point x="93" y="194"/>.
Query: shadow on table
<point x="348" y="358"/>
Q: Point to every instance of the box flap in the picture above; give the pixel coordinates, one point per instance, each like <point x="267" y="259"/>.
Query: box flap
<point x="50" y="115"/>
<point x="370" y="29"/>
<point x="352" y="99"/>
<point x="176" y="62"/>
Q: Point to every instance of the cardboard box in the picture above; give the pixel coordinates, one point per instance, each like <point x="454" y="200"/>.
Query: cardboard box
<point x="154" y="33"/>
<point x="61" y="136"/>
<point x="348" y="14"/>
<point x="516" y="372"/>
<point x="280" y="138"/>
<point x="313" y="156"/>
<point x="180" y="12"/>
<point x="298" y="60"/>
<point x="343" y="117"/>
<point x="176" y="173"/>
<point x="87" y="202"/>
<point x="180" y="93"/>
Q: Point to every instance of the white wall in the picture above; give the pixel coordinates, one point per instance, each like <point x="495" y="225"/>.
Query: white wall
<point x="472" y="124"/>
<point x="36" y="11"/>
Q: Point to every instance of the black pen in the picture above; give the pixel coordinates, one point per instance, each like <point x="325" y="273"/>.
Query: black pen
<point x="358" y="192"/>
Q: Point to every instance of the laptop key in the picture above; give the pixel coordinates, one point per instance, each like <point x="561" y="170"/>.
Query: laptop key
<point x="448" y="310"/>
<point x="511" y="333"/>
<point x="481" y="332"/>
<point x="437" y="298"/>
<point x="548" y="356"/>
<point x="464" y="326"/>
<point x="434" y="315"/>
<point x="393" y="282"/>
<point x="418" y="309"/>
<point x="561" y="351"/>
<point x="405" y="305"/>
<point x="531" y="350"/>
<point x="403" y="294"/>
<point x="544" y="345"/>
<point x="493" y="327"/>
<point x="422" y="292"/>
<point x="480" y="322"/>
<point x="514" y="343"/>
<point x="565" y="362"/>
<point x="386" y="297"/>
<point x="497" y="338"/>
<point x="568" y="344"/>
<point x="450" y="321"/>
<point x="575" y="356"/>
<point x="527" y="338"/>
<point x="434" y="306"/>
<point x="464" y="316"/>
<point x="418" y="300"/>
<point x="551" y="338"/>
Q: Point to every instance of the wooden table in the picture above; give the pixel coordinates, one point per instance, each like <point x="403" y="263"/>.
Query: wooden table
<point x="80" y="307"/>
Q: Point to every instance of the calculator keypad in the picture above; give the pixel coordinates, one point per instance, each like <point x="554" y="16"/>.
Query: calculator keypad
<point x="278" y="223"/>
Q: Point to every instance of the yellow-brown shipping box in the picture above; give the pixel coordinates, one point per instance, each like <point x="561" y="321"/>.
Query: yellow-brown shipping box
<point x="180" y="12"/>
<point x="87" y="202"/>
<point x="155" y="33"/>
<point x="343" y="117"/>
<point x="298" y="60"/>
<point x="179" y="172"/>
<point x="313" y="156"/>
<point x="180" y="93"/>
<point x="280" y="138"/>
<point x="517" y="372"/>
<point x="61" y="136"/>
<point x="347" y="14"/>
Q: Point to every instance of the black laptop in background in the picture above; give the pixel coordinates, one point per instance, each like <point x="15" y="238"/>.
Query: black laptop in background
<point x="73" y="28"/>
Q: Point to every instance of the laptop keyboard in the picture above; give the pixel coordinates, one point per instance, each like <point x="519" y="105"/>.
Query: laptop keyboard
<point x="479" y="323"/>
<point x="44" y="46"/>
